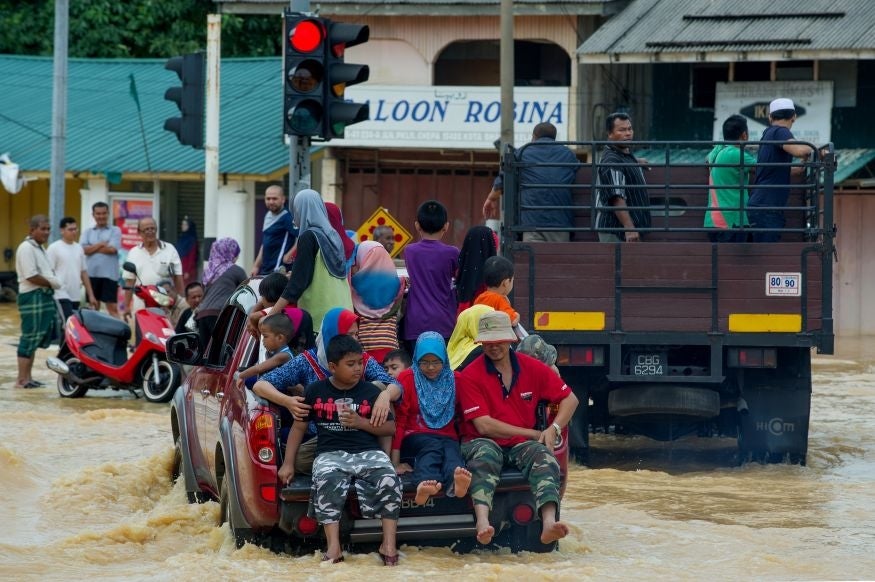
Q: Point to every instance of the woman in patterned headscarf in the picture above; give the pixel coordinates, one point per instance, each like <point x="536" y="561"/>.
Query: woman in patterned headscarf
<point x="425" y="430"/>
<point x="377" y="292"/>
<point x="318" y="279"/>
<point x="221" y="278"/>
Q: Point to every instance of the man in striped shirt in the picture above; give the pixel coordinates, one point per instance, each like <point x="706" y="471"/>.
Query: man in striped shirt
<point x="621" y="184"/>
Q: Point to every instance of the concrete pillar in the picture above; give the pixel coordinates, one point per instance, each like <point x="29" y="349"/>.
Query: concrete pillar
<point x="236" y="217"/>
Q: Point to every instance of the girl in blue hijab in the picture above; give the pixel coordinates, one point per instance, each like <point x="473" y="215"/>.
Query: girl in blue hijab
<point x="425" y="422"/>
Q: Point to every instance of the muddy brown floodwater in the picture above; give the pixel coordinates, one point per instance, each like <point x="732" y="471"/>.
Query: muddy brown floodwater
<point x="85" y="494"/>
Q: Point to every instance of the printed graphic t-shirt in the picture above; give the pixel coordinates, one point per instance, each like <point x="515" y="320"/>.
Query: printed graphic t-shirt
<point x="332" y="435"/>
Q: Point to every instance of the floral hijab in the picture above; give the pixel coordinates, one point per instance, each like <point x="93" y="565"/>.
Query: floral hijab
<point x="223" y="254"/>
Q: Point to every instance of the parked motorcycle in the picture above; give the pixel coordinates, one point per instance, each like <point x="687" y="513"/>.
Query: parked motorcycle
<point x="94" y="353"/>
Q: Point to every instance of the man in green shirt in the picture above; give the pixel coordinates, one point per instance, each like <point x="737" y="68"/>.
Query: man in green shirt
<point x="731" y="171"/>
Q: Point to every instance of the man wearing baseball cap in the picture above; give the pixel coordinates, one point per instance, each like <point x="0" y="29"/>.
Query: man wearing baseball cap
<point x="782" y="114"/>
<point x="499" y="415"/>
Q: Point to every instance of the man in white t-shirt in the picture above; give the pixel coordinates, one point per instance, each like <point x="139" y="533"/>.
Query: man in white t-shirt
<point x="155" y="260"/>
<point x="68" y="262"/>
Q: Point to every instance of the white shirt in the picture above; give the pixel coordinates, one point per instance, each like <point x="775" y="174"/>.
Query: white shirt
<point x="162" y="264"/>
<point x="31" y="260"/>
<point x="68" y="261"/>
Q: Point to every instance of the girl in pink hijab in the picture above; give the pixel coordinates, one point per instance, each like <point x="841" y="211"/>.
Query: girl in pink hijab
<point x="377" y="292"/>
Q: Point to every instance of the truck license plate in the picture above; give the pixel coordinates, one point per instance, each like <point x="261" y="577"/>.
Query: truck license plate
<point x="648" y="364"/>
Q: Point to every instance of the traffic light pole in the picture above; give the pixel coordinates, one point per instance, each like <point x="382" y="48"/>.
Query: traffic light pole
<point x="299" y="145"/>
<point x="299" y="165"/>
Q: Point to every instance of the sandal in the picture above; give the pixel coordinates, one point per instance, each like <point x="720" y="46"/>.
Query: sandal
<point x="388" y="560"/>
<point x="325" y="558"/>
<point x="31" y="384"/>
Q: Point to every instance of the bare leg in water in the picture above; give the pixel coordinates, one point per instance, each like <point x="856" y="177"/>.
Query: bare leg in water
<point x="551" y="530"/>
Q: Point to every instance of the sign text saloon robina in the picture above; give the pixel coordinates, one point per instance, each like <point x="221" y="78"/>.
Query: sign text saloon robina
<point x="452" y="117"/>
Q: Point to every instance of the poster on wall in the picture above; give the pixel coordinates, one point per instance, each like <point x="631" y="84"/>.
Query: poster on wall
<point x="126" y="213"/>
<point x="813" y="100"/>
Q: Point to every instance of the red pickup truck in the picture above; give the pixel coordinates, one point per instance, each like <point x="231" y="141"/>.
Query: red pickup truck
<point x="227" y="447"/>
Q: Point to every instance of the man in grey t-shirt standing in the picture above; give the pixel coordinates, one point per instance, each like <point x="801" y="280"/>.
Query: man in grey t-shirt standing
<point x="101" y="245"/>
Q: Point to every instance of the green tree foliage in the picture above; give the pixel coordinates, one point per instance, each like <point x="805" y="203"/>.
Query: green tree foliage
<point x="134" y="29"/>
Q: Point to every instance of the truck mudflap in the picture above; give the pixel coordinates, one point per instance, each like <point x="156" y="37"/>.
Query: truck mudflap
<point x="774" y="425"/>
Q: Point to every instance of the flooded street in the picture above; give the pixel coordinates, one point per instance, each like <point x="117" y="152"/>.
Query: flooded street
<point x="86" y="494"/>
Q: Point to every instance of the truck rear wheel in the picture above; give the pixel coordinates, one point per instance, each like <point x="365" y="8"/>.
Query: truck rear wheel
<point x="664" y="399"/>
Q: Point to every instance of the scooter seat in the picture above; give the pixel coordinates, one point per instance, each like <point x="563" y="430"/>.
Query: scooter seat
<point x="100" y="323"/>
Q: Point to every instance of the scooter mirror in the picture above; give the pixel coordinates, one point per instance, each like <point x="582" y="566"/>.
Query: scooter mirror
<point x="130" y="267"/>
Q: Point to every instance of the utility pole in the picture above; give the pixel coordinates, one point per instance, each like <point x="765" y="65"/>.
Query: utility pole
<point x="211" y="143"/>
<point x="507" y="73"/>
<point x="59" y="118"/>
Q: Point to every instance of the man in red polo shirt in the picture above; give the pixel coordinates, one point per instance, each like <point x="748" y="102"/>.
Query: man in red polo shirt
<point x="499" y="412"/>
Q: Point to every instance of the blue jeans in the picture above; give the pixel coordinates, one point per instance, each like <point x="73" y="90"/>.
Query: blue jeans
<point x="435" y="458"/>
<point x="766" y="219"/>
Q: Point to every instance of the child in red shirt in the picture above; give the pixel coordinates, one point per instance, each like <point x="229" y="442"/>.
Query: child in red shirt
<point x="425" y="429"/>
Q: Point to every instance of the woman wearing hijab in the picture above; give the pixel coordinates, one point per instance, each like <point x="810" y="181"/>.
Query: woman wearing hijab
<point x="318" y="279"/>
<point x="377" y="292"/>
<point x="425" y="428"/>
<point x="221" y="278"/>
<point x="335" y="217"/>
<point x="284" y="385"/>
<point x="187" y="247"/>
<point x="462" y="348"/>
<point x="478" y="246"/>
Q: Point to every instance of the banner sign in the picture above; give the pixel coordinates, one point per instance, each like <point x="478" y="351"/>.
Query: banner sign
<point x="408" y="116"/>
<point x="813" y="100"/>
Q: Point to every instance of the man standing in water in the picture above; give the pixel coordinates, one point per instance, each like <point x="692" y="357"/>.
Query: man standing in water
<point x="36" y="304"/>
<point x="499" y="412"/>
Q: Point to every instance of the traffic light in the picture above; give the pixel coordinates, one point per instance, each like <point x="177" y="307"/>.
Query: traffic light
<point x="189" y="98"/>
<point x="304" y="73"/>
<point x="339" y="75"/>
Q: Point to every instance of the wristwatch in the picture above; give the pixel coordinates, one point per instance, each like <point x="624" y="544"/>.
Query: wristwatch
<point x="558" y="442"/>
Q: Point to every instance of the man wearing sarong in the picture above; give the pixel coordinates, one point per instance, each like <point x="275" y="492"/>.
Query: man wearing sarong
<point x="278" y="234"/>
<point x="36" y="285"/>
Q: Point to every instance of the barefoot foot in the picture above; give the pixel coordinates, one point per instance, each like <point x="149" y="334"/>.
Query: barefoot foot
<point x="554" y="532"/>
<point x="461" y="481"/>
<point x="424" y="490"/>
<point x="484" y="536"/>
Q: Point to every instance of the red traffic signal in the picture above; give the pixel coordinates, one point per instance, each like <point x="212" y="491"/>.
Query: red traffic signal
<point x="306" y="36"/>
<point x="304" y="74"/>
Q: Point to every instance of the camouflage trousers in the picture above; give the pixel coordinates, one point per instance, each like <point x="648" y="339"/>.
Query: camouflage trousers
<point x="376" y="484"/>
<point x="485" y="460"/>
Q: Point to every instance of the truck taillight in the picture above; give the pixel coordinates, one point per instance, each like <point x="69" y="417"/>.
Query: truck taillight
<point x="580" y="355"/>
<point x="262" y="437"/>
<point x="752" y="358"/>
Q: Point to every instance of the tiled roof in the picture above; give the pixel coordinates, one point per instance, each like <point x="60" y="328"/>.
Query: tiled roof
<point x="103" y="127"/>
<point x="650" y="30"/>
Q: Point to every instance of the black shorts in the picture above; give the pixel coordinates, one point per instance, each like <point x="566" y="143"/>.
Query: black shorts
<point x="105" y="290"/>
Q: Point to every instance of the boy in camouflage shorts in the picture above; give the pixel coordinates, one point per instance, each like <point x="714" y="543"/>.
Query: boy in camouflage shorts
<point x="347" y="449"/>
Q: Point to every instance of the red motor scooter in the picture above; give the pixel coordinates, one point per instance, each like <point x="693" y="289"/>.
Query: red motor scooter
<point x="94" y="352"/>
